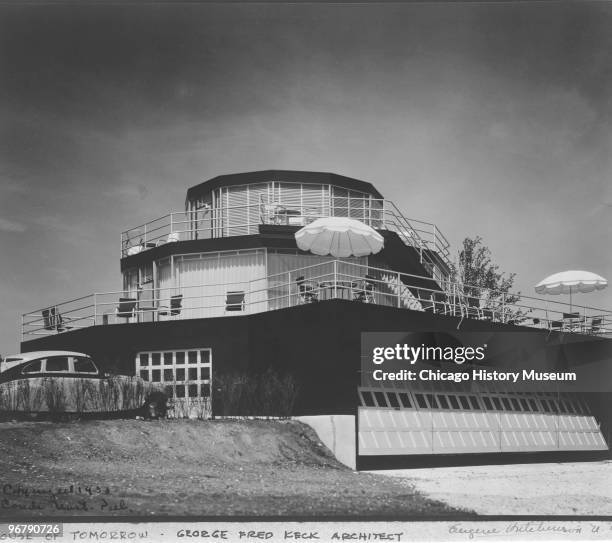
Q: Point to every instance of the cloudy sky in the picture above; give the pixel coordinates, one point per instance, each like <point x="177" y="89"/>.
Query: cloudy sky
<point x="485" y="118"/>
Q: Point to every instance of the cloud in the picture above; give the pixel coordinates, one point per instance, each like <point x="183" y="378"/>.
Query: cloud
<point x="11" y="226"/>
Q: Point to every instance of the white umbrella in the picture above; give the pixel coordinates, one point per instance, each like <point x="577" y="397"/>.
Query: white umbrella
<point x="340" y="237"/>
<point x="571" y="281"/>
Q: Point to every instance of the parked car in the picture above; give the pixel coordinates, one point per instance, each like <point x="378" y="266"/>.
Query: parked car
<point x="69" y="382"/>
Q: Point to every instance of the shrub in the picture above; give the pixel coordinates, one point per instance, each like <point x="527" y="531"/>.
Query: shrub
<point x="268" y="394"/>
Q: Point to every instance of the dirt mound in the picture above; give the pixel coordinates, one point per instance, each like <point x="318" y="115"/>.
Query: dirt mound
<point x="218" y="442"/>
<point x="181" y="467"/>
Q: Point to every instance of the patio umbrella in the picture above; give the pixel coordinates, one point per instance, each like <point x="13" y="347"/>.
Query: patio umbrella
<point x="340" y="237"/>
<point x="571" y="281"/>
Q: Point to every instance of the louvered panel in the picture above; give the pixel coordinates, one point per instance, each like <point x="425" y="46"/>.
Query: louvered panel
<point x="235" y="212"/>
<point x="257" y="198"/>
<point x="411" y="431"/>
<point x="290" y="194"/>
<point x="358" y="206"/>
<point x="315" y="201"/>
<point x="340" y="202"/>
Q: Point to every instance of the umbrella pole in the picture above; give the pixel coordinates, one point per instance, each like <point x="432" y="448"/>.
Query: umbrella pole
<point x="570" y="299"/>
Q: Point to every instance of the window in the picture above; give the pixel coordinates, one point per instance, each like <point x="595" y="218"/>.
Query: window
<point x="188" y="372"/>
<point x="465" y="404"/>
<point x="405" y="399"/>
<point x="367" y="399"/>
<point x="474" y="402"/>
<point x="380" y="399"/>
<point x="421" y="401"/>
<point x="393" y="401"/>
<point x="453" y="401"/>
<point x="84" y="365"/>
<point x="33" y="367"/>
<point x="443" y="402"/>
<point x="57" y="364"/>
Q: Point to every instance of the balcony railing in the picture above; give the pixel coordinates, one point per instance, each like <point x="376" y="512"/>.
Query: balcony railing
<point x="246" y="219"/>
<point x="335" y="279"/>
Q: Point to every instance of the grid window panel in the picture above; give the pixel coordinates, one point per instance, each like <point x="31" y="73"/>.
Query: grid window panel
<point x="190" y="369"/>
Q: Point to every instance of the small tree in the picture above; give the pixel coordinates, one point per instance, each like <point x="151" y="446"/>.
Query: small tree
<point x="482" y="285"/>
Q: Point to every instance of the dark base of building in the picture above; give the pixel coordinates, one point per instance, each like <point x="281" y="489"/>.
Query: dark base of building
<point x="475" y="459"/>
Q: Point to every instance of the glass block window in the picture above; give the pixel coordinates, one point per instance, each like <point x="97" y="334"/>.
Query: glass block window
<point x="187" y="373"/>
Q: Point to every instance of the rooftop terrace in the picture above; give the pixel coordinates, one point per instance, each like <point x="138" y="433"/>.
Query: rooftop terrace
<point x="241" y="220"/>
<point x="335" y="279"/>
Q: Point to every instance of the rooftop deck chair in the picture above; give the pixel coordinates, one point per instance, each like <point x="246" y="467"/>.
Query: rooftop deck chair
<point x="573" y="321"/>
<point x="364" y="291"/>
<point x="49" y="318"/>
<point x="176" y="304"/>
<point x="307" y="290"/>
<point x="428" y="304"/>
<point x="53" y="320"/>
<point x="595" y="327"/>
<point x="234" y="300"/>
<point x="486" y="314"/>
<point x="127" y="308"/>
<point x="556" y="326"/>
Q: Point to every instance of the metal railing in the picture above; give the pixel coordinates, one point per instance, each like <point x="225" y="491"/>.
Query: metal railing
<point x="335" y="279"/>
<point x="239" y="220"/>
